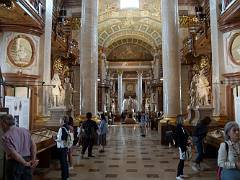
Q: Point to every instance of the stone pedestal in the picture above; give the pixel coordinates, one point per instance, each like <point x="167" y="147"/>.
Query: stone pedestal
<point x="198" y="113"/>
<point x="56" y="113"/>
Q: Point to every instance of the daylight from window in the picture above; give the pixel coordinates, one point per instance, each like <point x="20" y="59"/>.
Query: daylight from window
<point x="129" y="4"/>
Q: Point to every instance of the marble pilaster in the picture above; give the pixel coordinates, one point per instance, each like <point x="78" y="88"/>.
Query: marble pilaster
<point x="89" y="57"/>
<point x="171" y="83"/>
<point x="45" y="52"/>
<point x="218" y="91"/>
<point x="76" y="88"/>
<point x="120" y="96"/>
<point x="140" y="90"/>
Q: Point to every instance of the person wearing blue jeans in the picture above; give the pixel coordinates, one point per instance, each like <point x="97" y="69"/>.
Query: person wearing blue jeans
<point x="199" y="134"/>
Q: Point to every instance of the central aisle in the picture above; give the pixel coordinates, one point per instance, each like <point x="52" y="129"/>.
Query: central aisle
<point x="128" y="156"/>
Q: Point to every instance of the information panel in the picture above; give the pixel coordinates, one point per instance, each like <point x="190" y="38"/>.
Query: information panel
<point x="19" y="109"/>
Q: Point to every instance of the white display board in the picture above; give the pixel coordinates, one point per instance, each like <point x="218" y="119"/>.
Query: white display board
<point x="19" y="109"/>
<point x="237" y="109"/>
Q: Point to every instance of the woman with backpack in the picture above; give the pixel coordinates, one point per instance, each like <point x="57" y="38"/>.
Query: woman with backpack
<point x="62" y="138"/>
<point x="229" y="153"/>
<point x="70" y="150"/>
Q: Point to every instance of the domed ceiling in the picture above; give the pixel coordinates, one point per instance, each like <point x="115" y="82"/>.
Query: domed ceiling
<point x="129" y="34"/>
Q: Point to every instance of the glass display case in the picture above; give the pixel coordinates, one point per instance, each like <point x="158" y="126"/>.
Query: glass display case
<point x="44" y="139"/>
<point x="215" y="137"/>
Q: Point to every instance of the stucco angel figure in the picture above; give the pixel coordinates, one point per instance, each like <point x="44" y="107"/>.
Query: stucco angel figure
<point x="203" y="88"/>
<point x="55" y="91"/>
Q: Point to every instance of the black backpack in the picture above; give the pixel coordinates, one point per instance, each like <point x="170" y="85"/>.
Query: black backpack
<point x="89" y="130"/>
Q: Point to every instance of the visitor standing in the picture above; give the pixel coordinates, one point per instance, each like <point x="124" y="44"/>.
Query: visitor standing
<point x="199" y="134"/>
<point x="20" y="150"/>
<point x="90" y="129"/>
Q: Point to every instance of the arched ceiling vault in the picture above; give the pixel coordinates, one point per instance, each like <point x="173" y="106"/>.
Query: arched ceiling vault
<point x="143" y="24"/>
<point x="144" y="32"/>
<point x="132" y="41"/>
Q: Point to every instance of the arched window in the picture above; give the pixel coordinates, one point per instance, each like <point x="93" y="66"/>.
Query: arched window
<point x="129" y="4"/>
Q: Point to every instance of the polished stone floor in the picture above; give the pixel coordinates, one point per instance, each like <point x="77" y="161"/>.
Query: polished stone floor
<point x="128" y="156"/>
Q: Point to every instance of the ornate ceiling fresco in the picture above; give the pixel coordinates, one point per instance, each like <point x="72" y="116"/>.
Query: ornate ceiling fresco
<point x="130" y="52"/>
<point x="139" y="27"/>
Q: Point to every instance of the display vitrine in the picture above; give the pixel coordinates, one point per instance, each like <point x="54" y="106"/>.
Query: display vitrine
<point x="44" y="139"/>
<point x="215" y="137"/>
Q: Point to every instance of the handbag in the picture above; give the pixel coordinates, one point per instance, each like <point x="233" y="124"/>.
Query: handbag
<point x="189" y="153"/>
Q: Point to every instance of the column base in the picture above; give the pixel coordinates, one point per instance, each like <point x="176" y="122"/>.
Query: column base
<point x="56" y="113"/>
<point x="162" y="127"/>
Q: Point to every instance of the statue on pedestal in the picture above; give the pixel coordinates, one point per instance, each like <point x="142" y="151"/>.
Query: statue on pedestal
<point x="68" y="94"/>
<point x="203" y="88"/>
<point x="129" y="105"/>
<point x="193" y="91"/>
<point x="55" y="91"/>
<point x="113" y="106"/>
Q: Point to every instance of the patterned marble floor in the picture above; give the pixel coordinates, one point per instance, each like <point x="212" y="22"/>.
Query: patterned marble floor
<point x="128" y="156"/>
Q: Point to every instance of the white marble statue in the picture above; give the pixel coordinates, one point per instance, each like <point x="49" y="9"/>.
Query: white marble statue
<point x="147" y="105"/>
<point x="113" y="106"/>
<point x="68" y="94"/>
<point x="55" y="91"/>
<point x="62" y="96"/>
<point x="203" y="89"/>
<point x="193" y="91"/>
<point x="129" y="104"/>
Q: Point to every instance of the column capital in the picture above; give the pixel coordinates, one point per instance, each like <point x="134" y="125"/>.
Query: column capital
<point x="139" y="73"/>
<point x="119" y="72"/>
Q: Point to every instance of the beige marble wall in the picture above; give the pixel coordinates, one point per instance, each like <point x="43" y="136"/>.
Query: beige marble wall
<point x="185" y="84"/>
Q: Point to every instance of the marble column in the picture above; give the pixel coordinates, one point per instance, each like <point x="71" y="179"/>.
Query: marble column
<point x="89" y="57"/>
<point x="76" y="88"/>
<point x="102" y="72"/>
<point x="171" y="82"/>
<point x="120" y="95"/>
<point x="157" y="77"/>
<point x="102" y="67"/>
<point x="45" y="52"/>
<point x="218" y="91"/>
<point x="140" y="91"/>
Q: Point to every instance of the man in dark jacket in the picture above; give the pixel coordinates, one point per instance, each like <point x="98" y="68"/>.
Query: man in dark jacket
<point x="90" y="127"/>
<point x="182" y="142"/>
<point x="199" y="134"/>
